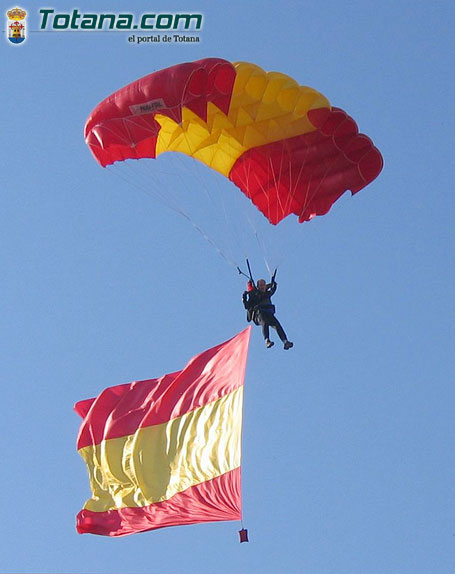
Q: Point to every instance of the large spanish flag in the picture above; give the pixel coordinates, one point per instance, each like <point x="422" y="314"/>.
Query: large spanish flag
<point x="167" y="451"/>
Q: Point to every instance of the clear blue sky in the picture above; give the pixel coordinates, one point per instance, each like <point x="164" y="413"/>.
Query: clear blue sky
<point x="348" y="458"/>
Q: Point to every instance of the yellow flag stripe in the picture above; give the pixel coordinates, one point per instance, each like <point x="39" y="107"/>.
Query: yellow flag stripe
<point x="157" y="462"/>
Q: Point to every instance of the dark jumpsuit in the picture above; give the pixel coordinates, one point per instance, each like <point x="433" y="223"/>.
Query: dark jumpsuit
<point x="261" y="311"/>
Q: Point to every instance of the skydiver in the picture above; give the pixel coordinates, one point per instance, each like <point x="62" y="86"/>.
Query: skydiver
<point x="257" y="301"/>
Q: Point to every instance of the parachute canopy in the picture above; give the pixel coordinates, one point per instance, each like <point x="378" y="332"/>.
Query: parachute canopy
<point x="282" y="144"/>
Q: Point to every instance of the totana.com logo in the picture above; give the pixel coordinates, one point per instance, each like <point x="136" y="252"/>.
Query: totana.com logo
<point x="16" y="25"/>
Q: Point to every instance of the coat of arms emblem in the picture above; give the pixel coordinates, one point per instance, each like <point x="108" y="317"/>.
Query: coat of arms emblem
<point x="16" y="25"/>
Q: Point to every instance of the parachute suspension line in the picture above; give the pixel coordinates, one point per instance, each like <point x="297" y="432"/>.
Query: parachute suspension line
<point x="153" y="173"/>
<point x="233" y="220"/>
<point x="251" y="222"/>
<point x="210" y="197"/>
<point x="260" y="242"/>
<point x="308" y="187"/>
<point x="277" y="183"/>
<point x="195" y="171"/>
<point x="248" y="218"/>
<point x="179" y="210"/>
<point x="131" y="143"/>
<point x="290" y="196"/>
<point x="146" y="190"/>
<point x="263" y="250"/>
<point x="266" y="196"/>
<point x="150" y="184"/>
<point x="233" y="235"/>
<point x="209" y="240"/>
<point x="164" y="198"/>
<point x="292" y="192"/>
<point x="307" y="196"/>
<point x="245" y="182"/>
<point x="224" y="223"/>
<point x="279" y="202"/>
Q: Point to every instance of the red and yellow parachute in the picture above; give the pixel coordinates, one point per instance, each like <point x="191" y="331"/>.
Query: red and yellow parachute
<point x="282" y="144"/>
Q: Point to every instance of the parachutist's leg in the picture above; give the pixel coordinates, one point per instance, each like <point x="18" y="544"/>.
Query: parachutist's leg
<point x="265" y="329"/>
<point x="282" y="335"/>
<point x="263" y="321"/>
<point x="279" y="329"/>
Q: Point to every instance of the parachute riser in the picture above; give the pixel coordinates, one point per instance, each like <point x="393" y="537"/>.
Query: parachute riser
<point x="273" y="276"/>
<point x="250" y="276"/>
<point x="249" y="270"/>
<point x="242" y="273"/>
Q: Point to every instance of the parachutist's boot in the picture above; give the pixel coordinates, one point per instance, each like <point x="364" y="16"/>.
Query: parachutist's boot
<point x="288" y="345"/>
<point x="269" y="343"/>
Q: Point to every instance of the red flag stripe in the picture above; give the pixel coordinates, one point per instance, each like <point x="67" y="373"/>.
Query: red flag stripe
<point x="121" y="410"/>
<point x="215" y="500"/>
